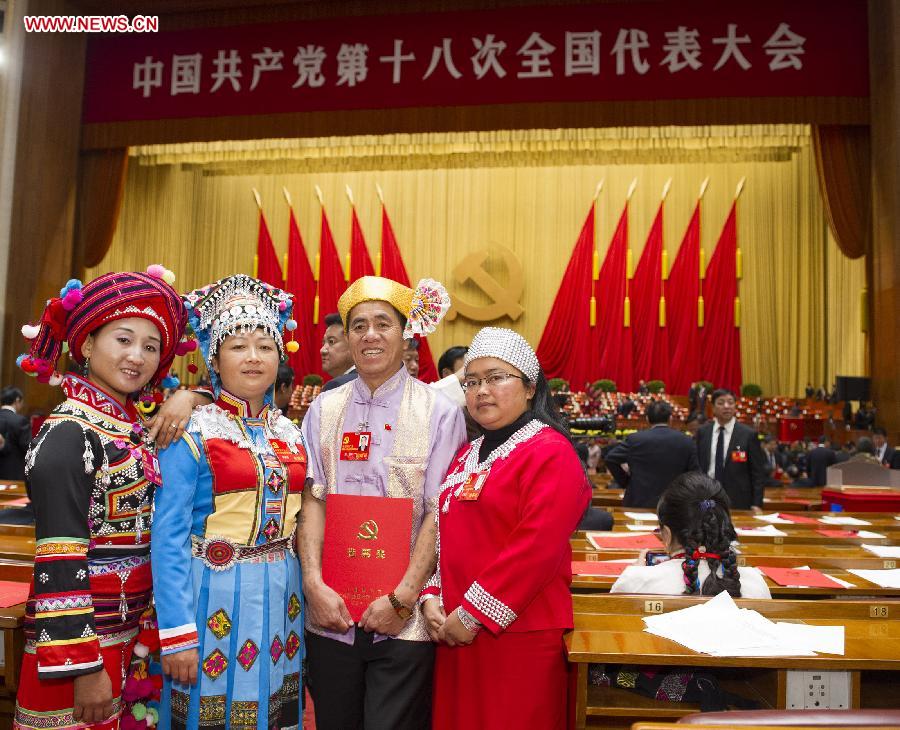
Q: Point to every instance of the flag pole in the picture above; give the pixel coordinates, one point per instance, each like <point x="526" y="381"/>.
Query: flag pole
<point x="701" y="265"/>
<point x="349" y="253"/>
<point x="259" y="209"/>
<point x="287" y="197"/>
<point x="318" y="192"/>
<point x="380" y="193"/>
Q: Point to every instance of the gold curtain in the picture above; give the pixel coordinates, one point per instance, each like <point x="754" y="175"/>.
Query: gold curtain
<point x="845" y="283"/>
<point x="449" y="195"/>
<point x="843" y="163"/>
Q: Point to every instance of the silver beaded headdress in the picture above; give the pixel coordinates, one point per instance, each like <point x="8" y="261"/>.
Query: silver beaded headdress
<point x="505" y="345"/>
<point x="237" y="304"/>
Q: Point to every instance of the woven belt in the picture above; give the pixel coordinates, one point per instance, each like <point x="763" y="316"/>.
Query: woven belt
<point x="220" y="554"/>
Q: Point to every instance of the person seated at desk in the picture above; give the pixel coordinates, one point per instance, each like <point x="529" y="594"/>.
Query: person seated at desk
<point x="695" y="527"/>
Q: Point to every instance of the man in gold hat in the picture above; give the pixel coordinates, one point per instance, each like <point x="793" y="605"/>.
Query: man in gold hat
<point x="387" y="435"/>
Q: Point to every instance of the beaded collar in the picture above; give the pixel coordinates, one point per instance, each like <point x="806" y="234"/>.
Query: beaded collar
<point x="471" y="465"/>
<point x="91" y="396"/>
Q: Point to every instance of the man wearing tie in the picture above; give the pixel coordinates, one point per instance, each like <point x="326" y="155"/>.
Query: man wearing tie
<point x="730" y="453"/>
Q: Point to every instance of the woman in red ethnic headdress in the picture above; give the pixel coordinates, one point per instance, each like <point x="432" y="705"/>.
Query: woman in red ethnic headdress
<point x="90" y="475"/>
<point x="499" y="601"/>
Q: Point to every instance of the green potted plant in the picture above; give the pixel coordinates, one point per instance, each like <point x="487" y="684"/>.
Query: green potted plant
<point x="656" y="386"/>
<point x="605" y="385"/>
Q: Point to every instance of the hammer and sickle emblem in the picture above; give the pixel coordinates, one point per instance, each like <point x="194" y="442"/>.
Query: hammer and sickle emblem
<point x="504" y="299"/>
<point x="368" y="530"/>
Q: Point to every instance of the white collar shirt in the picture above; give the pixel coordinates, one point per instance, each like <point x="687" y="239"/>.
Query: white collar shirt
<point x="729" y="429"/>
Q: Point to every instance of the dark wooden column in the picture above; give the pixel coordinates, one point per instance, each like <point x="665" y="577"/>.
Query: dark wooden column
<point x="884" y="261"/>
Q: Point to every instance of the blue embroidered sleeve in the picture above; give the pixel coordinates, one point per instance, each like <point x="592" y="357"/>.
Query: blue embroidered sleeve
<point x="171" y="546"/>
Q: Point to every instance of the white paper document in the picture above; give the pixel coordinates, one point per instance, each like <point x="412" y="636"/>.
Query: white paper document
<point x="642" y="516"/>
<point x="636" y="528"/>
<point x="883" y="551"/>
<point x="769" y="530"/>
<point x="773" y="519"/>
<point x="870" y="535"/>
<point x="719" y="628"/>
<point x="883" y="578"/>
<point x="842" y="520"/>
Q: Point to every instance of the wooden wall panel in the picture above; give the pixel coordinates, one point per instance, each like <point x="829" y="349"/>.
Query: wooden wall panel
<point x="884" y="261"/>
<point x="43" y="216"/>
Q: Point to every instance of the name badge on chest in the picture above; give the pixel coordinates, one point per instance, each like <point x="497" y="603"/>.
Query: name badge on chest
<point x="355" y="445"/>
<point x="471" y="488"/>
<point x="284" y="453"/>
<point x="150" y="465"/>
<point x="739" y="456"/>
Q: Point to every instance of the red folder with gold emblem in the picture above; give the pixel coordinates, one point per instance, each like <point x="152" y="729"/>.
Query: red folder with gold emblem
<point x="366" y="547"/>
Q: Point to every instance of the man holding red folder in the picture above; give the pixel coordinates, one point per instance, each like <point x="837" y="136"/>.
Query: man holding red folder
<point x="384" y="435"/>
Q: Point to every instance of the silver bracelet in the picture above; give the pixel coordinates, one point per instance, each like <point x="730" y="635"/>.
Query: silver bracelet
<point x="468" y="620"/>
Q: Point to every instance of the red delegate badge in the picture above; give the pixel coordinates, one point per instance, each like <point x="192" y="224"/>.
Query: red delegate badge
<point x="471" y="489"/>
<point x="739" y="456"/>
<point x="284" y="453"/>
<point x="151" y="467"/>
<point x="355" y="445"/>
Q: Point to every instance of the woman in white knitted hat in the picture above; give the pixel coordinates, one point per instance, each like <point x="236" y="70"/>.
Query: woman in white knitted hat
<point x="499" y="601"/>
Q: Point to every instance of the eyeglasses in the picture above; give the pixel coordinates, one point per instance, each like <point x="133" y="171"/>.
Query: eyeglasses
<point x="494" y="380"/>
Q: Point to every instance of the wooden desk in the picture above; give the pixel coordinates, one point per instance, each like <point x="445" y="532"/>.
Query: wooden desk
<point x="861" y="587"/>
<point x="16" y="547"/>
<point x="796" y="499"/>
<point x="608" y="631"/>
<point x="693" y="726"/>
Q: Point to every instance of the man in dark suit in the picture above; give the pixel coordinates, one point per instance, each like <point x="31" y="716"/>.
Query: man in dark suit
<point x="883" y="450"/>
<point x="336" y="358"/>
<point x="730" y="453"/>
<point x="16" y="431"/>
<point x="818" y="460"/>
<point x="646" y="462"/>
<point x="775" y="460"/>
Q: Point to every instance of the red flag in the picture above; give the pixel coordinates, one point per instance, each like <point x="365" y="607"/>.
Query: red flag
<point x="721" y="334"/>
<point x="301" y="282"/>
<point x="267" y="267"/>
<point x="612" y="288"/>
<point x="392" y="268"/>
<point x="360" y="262"/>
<point x="682" y="292"/>
<point x="568" y="347"/>
<point x="649" y="337"/>
<point x="331" y="283"/>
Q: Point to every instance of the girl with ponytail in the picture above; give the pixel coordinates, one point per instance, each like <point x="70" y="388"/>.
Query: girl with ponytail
<point x="695" y="526"/>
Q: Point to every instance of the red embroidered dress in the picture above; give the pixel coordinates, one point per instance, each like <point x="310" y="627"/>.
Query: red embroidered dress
<point x="85" y="476"/>
<point x="504" y="557"/>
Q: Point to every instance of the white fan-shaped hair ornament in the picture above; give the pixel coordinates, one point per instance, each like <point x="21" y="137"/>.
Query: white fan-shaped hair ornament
<point x="430" y="302"/>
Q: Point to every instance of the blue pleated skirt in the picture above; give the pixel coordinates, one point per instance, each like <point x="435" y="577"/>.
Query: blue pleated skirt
<point x="250" y="627"/>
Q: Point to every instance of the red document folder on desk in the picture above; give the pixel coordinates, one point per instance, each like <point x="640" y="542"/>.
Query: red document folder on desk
<point x="366" y="547"/>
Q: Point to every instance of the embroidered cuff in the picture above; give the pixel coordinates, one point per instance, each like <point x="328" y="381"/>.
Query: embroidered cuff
<point x="491" y="611"/>
<point x="178" y="639"/>
<point x="65" y="657"/>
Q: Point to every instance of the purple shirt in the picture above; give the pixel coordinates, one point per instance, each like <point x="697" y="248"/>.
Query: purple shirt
<point x="416" y="432"/>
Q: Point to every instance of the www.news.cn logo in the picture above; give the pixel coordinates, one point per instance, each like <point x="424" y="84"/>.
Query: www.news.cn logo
<point x="91" y="24"/>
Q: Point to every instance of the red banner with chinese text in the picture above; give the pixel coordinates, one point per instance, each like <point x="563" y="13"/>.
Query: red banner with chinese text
<point x="600" y="52"/>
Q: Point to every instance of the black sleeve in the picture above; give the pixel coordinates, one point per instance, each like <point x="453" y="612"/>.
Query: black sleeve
<point x="617" y="456"/>
<point x="60" y="484"/>
<point x="23" y="433"/>
<point x="757" y="468"/>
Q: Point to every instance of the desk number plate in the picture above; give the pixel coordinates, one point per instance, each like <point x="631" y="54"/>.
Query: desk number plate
<point x="653" y="606"/>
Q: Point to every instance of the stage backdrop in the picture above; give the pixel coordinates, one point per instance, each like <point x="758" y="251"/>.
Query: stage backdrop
<point x="520" y="199"/>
